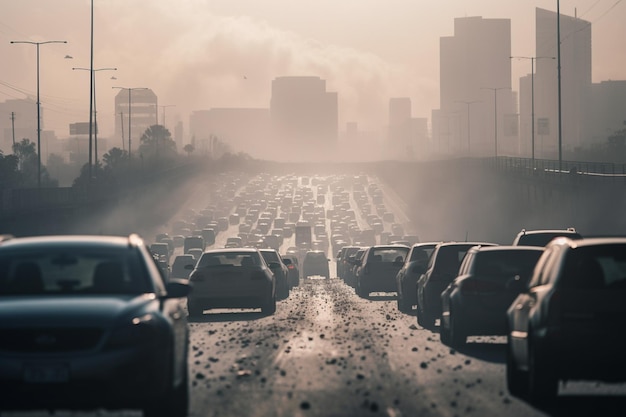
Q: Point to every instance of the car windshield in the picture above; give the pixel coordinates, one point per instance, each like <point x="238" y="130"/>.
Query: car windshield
<point x="72" y="271"/>
<point x="595" y="267"/>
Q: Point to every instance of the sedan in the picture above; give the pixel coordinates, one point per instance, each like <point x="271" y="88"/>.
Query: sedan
<point x="232" y="278"/>
<point x="88" y="322"/>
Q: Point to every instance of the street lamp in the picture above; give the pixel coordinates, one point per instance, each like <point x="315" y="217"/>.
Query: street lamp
<point x="468" y="122"/>
<point x="163" y="107"/>
<point x="95" y="122"/>
<point x="495" y="113"/>
<point x="130" y="89"/>
<point x="38" y="107"/>
<point x="532" y="99"/>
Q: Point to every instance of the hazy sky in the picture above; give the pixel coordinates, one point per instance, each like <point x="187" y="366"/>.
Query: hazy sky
<point x="199" y="54"/>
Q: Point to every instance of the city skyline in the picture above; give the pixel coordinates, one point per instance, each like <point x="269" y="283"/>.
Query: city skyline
<point x="226" y="54"/>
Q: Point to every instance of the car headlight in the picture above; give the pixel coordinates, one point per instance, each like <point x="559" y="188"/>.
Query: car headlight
<point x="137" y="331"/>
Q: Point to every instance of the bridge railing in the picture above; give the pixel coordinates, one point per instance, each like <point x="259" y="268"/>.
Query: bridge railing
<point x="551" y="169"/>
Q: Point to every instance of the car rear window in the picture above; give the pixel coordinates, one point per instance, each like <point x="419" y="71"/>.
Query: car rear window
<point x="595" y="267"/>
<point x="231" y="259"/>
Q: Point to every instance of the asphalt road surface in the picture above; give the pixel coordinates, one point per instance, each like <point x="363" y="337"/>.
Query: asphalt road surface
<point x="327" y="352"/>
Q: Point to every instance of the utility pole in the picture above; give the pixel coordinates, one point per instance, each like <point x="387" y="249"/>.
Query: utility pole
<point x="13" y="126"/>
<point x="558" y="48"/>
<point x="122" y="122"/>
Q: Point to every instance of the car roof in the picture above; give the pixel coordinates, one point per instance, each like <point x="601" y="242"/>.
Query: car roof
<point x="595" y="241"/>
<point x="84" y="241"/>
<point x="232" y="250"/>
<point x="496" y="248"/>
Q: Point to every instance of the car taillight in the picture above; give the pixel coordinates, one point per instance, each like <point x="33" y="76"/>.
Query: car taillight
<point x="291" y="267"/>
<point x="477" y="286"/>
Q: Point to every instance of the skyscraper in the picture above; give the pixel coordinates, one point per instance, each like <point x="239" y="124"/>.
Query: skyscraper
<point x="575" y="81"/>
<point x="474" y="62"/>
<point x="304" y="117"/>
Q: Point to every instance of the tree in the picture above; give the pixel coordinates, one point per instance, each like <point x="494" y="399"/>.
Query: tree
<point x="9" y="174"/>
<point x="157" y="144"/>
<point x="189" y="148"/>
<point x="115" y="158"/>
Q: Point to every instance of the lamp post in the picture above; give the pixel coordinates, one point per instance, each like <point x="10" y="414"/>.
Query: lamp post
<point x="469" y="153"/>
<point x="163" y="107"/>
<point x="495" y="113"/>
<point x="532" y="99"/>
<point x="95" y="122"/>
<point x="130" y="89"/>
<point x="38" y="107"/>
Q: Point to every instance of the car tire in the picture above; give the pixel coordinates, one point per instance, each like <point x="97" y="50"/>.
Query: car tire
<point x="543" y="386"/>
<point x="516" y="380"/>
<point x="360" y="291"/>
<point x="444" y="333"/>
<point x="403" y="305"/>
<point x="269" y="307"/>
<point x="174" y="402"/>
<point x="455" y="331"/>
<point x="194" y="309"/>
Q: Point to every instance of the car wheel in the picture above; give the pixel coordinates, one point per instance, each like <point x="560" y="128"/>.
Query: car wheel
<point x="455" y="331"/>
<point x="403" y="304"/>
<point x="444" y="332"/>
<point x="269" y="307"/>
<point x="194" y="309"/>
<point x="543" y="384"/>
<point x="516" y="380"/>
<point x="174" y="403"/>
<point x="360" y="291"/>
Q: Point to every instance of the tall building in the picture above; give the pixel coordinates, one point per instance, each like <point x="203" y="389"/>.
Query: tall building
<point x="142" y="105"/>
<point x="575" y="82"/>
<point x="304" y="117"/>
<point x="607" y="110"/>
<point x="399" y="137"/>
<point x="241" y="129"/>
<point x="475" y="67"/>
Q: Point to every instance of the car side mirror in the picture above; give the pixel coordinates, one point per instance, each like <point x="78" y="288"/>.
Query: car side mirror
<point x="177" y="288"/>
<point x="274" y="265"/>
<point x="358" y="262"/>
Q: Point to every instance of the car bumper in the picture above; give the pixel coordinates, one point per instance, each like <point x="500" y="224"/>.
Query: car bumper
<point x="116" y="379"/>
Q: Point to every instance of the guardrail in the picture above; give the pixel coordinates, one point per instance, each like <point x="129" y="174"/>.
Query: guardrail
<point x="565" y="171"/>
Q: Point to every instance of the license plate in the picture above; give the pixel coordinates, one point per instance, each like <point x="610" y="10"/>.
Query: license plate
<point x="47" y="373"/>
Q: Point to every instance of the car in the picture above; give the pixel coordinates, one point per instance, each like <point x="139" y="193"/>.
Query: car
<point x="541" y="237"/>
<point x="342" y="260"/>
<point x="475" y="303"/>
<point x="406" y="278"/>
<point x="566" y="323"/>
<point x="88" y="322"/>
<point x="315" y="263"/>
<point x="378" y="269"/>
<point x="353" y="264"/>
<point x="232" y="278"/>
<point x="182" y="266"/>
<point x="294" y="269"/>
<point x="443" y="267"/>
<point x="280" y="270"/>
<point x="193" y="242"/>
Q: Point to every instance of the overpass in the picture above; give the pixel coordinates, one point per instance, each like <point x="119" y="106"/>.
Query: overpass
<point x="486" y="199"/>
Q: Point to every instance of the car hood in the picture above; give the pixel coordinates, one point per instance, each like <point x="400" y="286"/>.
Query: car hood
<point x="101" y="311"/>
